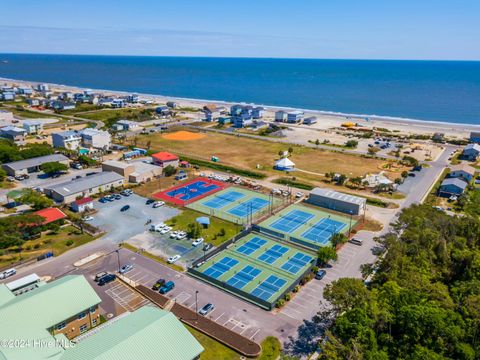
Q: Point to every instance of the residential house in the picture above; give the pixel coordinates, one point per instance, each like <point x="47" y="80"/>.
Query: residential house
<point x="471" y="152"/>
<point x="33" y="126"/>
<point x="16" y="134"/>
<point x="43" y="87"/>
<point x="374" y="180"/>
<point x="132" y="98"/>
<point x="257" y="112"/>
<point x="82" y="205"/>
<point x="438" y="137"/>
<point x="452" y="187"/>
<point x="126" y="125"/>
<point x="280" y="116"/>
<point x="33" y="102"/>
<point x="165" y="159"/>
<point x="25" y="91"/>
<point x="97" y="139"/>
<point x="294" y="117"/>
<point x="211" y="112"/>
<point x="118" y="103"/>
<point x="223" y="120"/>
<point x="475" y="137"/>
<point x="240" y="122"/>
<point x="172" y="104"/>
<point x="70" y="139"/>
<point x="163" y="110"/>
<point x="462" y="171"/>
<point x="8" y="96"/>
<point x="60" y="105"/>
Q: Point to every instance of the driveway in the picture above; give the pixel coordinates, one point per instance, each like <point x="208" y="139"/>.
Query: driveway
<point x="121" y="226"/>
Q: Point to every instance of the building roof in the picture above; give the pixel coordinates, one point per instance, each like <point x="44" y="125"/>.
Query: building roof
<point x="475" y="147"/>
<point x="148" y="333"/>
<point x="32" y="122"/>
<point x="455" y="182"/>
<point x="68" y="133"/>
<point x="164" y="156"/>
<point x="84" y="200"/>
<point x="338" y="196"/>
<point x="474" y="134"/>
<point x="29" y="316"/>
<point x="50" y="214"/>
<point x="37" y="161"/>
<point x="79" y="185"/>
<point x="13" y="285"/>
<point x="12" y="129"/>
<point x="126" y="122"/>
<point x="463" y="167"/>
<point x="117" y="164"/>
<point x="284" y="162"/>
<point x="93" y="132"/>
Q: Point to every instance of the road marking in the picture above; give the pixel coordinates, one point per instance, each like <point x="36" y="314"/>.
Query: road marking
<point x="184" y="296"/>
<point x="255" y="333"/>
<point x="219" y="316"/>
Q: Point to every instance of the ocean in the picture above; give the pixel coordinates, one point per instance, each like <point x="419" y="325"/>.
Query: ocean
<point x="445" y="91"/>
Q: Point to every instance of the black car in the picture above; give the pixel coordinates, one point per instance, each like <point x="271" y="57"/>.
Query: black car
<point x="207" y="247"/>
<point x="149" y="201"/>
<point x="125" y="208"/>
<point x="411" y="174"/>
<point x="158" y="284"/>
<point x="107" y="279"/>
<point x="320" y="274"/>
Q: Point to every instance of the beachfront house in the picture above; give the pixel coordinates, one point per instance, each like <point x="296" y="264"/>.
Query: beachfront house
<point x="257" y="112"/>
<point x="60" y="105"/>
<point x="25" y="91"/>
<point x="475" y="137"/>
<point x="211" y="112"/>
<point x="280" y="116"/>
<point x="117" y="103"/>
<point x="126" y="125"/>
<point x="8" y="96"/>
<point x="471" y="152"/>
<point x="294" y="117"/>
<point x="163" y="110"/>
<point x="462" y="171"/>
<point x="172" y="104"/>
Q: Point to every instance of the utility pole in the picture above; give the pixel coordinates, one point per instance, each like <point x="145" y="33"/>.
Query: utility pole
<point x="196" y="303"/>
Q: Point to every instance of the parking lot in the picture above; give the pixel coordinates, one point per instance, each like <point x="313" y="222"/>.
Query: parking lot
<point x="121" y="226"/>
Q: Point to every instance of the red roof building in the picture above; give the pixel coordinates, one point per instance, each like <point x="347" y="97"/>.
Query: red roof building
<point x="50" y="214"/>
<point x="83" y="201"/>
<point x="164" y="159"/>
<point x="82" y="204"/>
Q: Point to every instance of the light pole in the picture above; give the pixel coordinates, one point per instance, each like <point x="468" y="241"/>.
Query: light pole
<point x="118" y="259"/>
<point x="196" y="304"/>
<point x="350" y="227"/>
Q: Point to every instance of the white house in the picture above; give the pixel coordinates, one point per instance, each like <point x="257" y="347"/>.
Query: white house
<point x="67" y="139"/>
<point x="33" y="126"/>
<point x="471" y="152"/>
<point x="373" y="180"/>
<point x="126" y="125"/>
<point x="295" y="116"/>
<point x="98" y="139"/>
<point x="82" y="205"/>
<point x="281" y="116"/>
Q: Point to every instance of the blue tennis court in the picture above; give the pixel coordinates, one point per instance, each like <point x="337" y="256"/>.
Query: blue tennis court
<point x="244" y="276"/>
<point x="296" y="262"/>
<point x="221" y="267"/>
<point x="252" y="205"/>
<point x="273" y="254"/>
<point x="292" y="221"/>
<point x="192" y="190"/>
<point x="268" y="287"/>
<point x="323" y="230"/>
<point x="218" y="201"/>
<point x="251" y="246"/>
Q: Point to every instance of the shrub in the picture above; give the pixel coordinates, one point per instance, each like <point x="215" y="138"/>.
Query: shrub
<point x="69" y="242"/>
<point x="288" y="297"/>
<point x="296" y="289"/>
<point x="280" y="303"/>
<point x="37" y="246"/>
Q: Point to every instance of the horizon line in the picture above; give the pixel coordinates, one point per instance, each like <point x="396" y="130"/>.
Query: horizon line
<point x="237" y="57"/>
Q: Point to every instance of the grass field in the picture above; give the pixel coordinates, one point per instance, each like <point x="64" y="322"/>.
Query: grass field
<point x="247" y="153"/>
<point x="261" y="258"/>
<point x="303" y="228"/>
<point x="212" y="234"/>
<point x="234" y="211"/>
<point x="110" y="116"/>
<point x="214" y="350"/>
<point x="67" y="238"/>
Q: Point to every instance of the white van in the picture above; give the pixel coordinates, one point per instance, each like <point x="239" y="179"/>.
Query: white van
<point x="157" y="227"/>
<point x="7" y="273"/>
<point x="358" y="242"/>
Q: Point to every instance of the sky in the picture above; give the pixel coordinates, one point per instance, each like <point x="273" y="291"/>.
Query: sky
<point x="339" y="29"/>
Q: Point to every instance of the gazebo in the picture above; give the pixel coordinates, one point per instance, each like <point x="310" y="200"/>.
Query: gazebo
<point x="284" y="164"/>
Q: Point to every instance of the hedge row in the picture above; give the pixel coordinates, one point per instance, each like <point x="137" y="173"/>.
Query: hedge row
<point x="226" y="168"/>
<point x="293" y="183"/>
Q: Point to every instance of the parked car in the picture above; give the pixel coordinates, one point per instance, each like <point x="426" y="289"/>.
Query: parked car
<point x="356" y="241"/>
<point x="167" y="287"/>
<point x="100" y="275"/>
<point x="126" y="192"/>
<point x="158" y="284"/>
<point x="157" y="204"/>
<point x="173" y="259"/>
<point x="117" y="196"/>
<point x="88" y="218"/>
<point x="103" y="200"/>
<point x="7" y="273"/>
<point x="320" y="274"/>
<point x="197" y="242"/>
<point x="106" y="279"/>
<point x="125" y="208"/>
<point x="181" y="235"/>
<point x="125" y="268"/>
<point x="206" y="309"/>
<point x="165" y="230"/>
<point x="149" y="201"/>
<point x="411" y="174"/>
<point x="207" y="247"/>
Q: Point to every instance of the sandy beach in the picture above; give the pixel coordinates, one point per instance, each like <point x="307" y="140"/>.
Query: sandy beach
<point x="326" y="120"/>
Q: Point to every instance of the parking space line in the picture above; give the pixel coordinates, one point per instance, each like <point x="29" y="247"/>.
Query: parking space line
<point x="219" y="316"/>
<point x="255" y="333"/>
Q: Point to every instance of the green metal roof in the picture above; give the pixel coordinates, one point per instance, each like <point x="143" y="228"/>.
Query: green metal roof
<point x="30" y="315"/>
<point x="148" y="333"/>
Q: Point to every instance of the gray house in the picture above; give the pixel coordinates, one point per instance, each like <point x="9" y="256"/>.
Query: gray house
<point x="471" y="152"/>
<point x="452" y="187"/>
